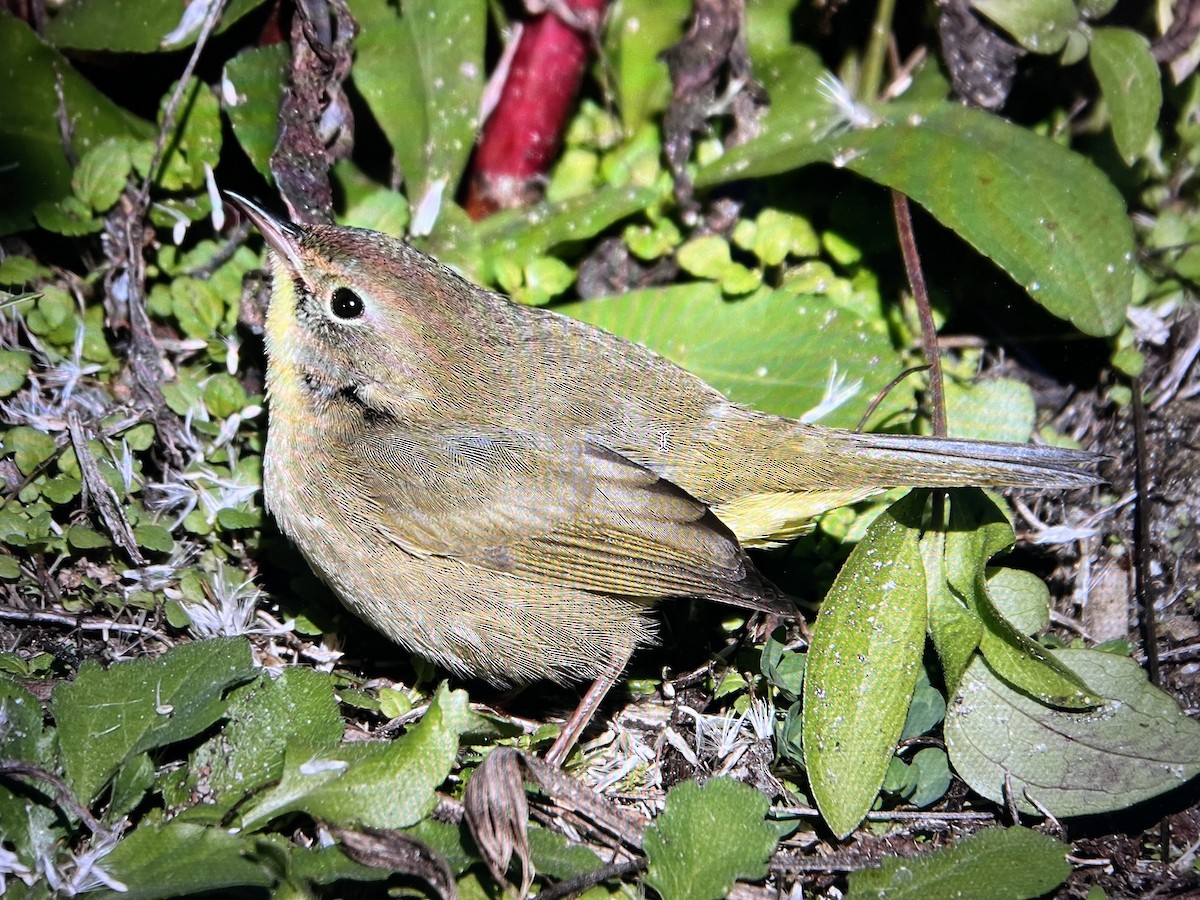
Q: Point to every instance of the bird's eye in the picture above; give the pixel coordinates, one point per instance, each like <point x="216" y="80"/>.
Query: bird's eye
<point x="345" y="304"/>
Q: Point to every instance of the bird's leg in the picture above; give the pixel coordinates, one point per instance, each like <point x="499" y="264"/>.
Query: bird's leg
<point x="573" y="727"/>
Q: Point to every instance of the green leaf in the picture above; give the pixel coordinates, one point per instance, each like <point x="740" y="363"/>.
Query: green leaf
<point x="83" y="538"/>
<point x="138" y="26"/>
<point x="748" y="349"/>
<point x="102" y="173"/>
<point x="517" y="236"/>
<point x="863" y="665"/>
<point x="953" y="628"/>
<point x="14" y="370"/>
<point x="705" y="257"/>
<point x="157" y="862"/>
<point x="154" y="537"/>
<point x="927" y="709"/>
<point x="381" y="209"/>
<point x="783" y="668"/>
<point x="1138" y="745"/>
<point x="794" y="127"/>
<point x="555" y="857"/>
<point x="69" y="216"/>
<point x="231" y="518"/>
<point x="1045" y="215"/>
<point x="1132" y="87"/>
<point x="706" y="838"/>
<point x="997" y="863"/>
<point x="29" y="447"/>
<point x="33" y="167"/>
<point x="978" y="531"/>
<point x="253" y="91"/>
<point x="380" y="785"/>
<point x="998" y="410"/>
<point x="106" y="717"/>
<point x="1040" y="26"/>
<point x="196" y="141"/>
<point x="640" y="32"/>
<point x="296" y="710"/>
<point x="1021" y="597"/>
<point x="421" y="73"/>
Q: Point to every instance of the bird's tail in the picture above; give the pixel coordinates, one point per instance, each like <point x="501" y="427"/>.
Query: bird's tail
<point x="893" y="460"/>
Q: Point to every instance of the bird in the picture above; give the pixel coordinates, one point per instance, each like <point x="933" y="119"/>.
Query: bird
<point x="508" y="492"/>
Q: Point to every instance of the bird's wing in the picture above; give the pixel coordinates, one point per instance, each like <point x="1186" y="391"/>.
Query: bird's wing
<point x="554" y="509"/>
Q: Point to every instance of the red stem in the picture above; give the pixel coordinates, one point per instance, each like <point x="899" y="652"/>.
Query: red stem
<point x="522" y="136"/>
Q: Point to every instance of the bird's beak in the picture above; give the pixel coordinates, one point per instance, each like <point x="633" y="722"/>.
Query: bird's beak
<point x="282" y="236"/>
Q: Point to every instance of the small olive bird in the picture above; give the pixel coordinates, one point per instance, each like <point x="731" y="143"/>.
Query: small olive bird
<point x="508" y="491"/>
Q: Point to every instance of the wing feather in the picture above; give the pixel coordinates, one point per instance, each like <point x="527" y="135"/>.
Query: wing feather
<point x="555" y="509"/>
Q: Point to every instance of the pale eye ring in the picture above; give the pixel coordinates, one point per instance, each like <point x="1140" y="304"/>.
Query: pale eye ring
<point x="346" y="304"/>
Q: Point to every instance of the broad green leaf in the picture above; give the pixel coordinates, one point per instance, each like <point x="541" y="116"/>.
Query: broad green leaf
<point x="252" y="91"/>
<point x="1138" y="745"/>
<point x="997" y="863"/>
<point x="1045" y="215"/>
<point x="158" y="862"/>
<point x="706" y="838"/>
<point x="106" y="716"/>
<point x="380" y="784"/>
<point x="1132" y="87"/>
<point x="751" y="350"/>
<point x="998" y="410"/>
<point x="978" y="531"/>
<point x="138" y="26"/>
<point x="421" y="72"/>
<point x="33" y="167"/>
<point x="296" y="710"/>
<point x="863" y="665"/>
<point x="382" y="210"/>
<point x="1040" y="26"/>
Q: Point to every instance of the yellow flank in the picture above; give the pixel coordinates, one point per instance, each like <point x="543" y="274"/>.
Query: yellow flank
<point x="509" y="492"/>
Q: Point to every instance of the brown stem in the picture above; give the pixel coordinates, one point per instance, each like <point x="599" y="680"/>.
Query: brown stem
<point x="916" y="282"/>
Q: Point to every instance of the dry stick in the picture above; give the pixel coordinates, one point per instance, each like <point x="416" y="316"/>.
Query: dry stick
<point x="210" y="25"/>
<point x="1141" y="571"/>
<point x="916" y="283"/>
<point x="49" y="617"/>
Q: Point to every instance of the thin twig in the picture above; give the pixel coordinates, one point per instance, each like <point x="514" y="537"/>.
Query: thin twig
<point x="1141" y="571"/>
<point x="215" y="12"/>
<point x="580" y="883"/>
<point x="882" y="395"/>
<point x="916" y="282"/>
<point x="47" y="617"/>
<point x="10" y="767"/>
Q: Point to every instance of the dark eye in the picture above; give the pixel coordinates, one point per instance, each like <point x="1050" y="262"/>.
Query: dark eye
<point x="346" y="304"/>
